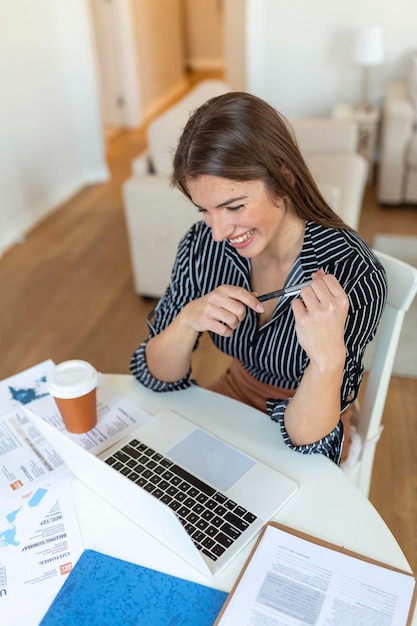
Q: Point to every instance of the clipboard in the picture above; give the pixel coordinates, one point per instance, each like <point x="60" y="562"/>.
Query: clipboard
<point x="258" y="579"/>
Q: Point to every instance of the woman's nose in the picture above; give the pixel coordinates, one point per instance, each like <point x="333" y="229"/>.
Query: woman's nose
<point x="220" y="227"/>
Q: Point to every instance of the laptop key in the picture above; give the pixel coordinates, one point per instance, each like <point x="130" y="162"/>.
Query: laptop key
<point x="236" y="521"/>
<point x="132" y="452"/>
<point x="217" y="550"/>
<point x="220" y="510"/>
<point x="230" y="531"/>
<point x="183" y="511"/>
<point x="211" y="556"/>
<point x="197" y="536"/>
<point x="208" y="542"/>
<point x="239" y="510"/>
<point x="121" y="456"/>
<point x="192" y="517"/>
<point x="224" y="540"/>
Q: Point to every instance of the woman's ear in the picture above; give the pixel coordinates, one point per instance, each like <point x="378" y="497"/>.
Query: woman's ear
<point x="288" y="174"/>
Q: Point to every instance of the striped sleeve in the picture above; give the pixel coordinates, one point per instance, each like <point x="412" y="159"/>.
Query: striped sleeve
<point x="180" y="291"/>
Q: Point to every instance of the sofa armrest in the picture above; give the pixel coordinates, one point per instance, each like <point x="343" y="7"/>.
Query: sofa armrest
<point x="398" y="117"/>
<point x="398" y="104"/>
<point x="349" y="173"/>
<point x="157" y="217"/>
<point x="142" y="164"/>
<point x="325" y="135"/>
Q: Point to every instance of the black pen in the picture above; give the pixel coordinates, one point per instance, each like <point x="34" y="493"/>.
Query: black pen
<point x="287" y="291"/>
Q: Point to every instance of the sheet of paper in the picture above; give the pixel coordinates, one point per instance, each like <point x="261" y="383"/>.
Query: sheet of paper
<point x="25" y="387"/>
<point x="38" y="567"/>
<point x="29" y="468"/>
<point x="27" y="458"/>
<point x="291" y="580"/>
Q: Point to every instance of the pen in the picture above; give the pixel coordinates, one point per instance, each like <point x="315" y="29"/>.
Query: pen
<point x="287" y="291"/>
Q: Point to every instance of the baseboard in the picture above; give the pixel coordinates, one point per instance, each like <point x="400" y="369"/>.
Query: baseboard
<point x="201" y="64"/>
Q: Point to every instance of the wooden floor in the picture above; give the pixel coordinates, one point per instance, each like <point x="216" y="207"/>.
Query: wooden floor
<point x="66" y="292"/>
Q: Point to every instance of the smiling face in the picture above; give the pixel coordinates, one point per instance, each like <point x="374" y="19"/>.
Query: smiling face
<point x="243" y="212"/>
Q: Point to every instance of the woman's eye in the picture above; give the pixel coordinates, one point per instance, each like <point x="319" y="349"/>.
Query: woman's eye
<point x="235" y="208"/>
<point x="200" y="210"/>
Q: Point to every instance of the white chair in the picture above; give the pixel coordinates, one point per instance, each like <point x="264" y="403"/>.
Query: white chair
<point x="402" y="287"/>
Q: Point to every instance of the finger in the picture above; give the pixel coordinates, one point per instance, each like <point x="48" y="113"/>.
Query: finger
<point x="245" y="297"/>
<point x="324" y="285"/>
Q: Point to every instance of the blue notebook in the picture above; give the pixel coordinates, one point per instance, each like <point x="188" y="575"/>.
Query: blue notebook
<point x="105" y="591"/>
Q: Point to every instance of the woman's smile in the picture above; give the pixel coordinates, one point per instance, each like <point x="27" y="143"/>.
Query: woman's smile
<point x="242" y="240"/>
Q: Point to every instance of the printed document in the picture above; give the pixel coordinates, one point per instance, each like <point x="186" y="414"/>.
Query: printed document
<point x="36" y="568"/>
<point x="291" y="580"/>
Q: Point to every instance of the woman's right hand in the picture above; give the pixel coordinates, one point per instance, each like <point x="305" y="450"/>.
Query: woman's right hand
<point x="219" y="311"/>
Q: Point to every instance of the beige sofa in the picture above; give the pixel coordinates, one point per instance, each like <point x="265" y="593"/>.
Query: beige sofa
<point x="397" y="172"/>
<point x="157" y="216"/>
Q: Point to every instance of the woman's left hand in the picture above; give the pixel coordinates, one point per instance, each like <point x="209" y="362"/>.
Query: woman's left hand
<point x="320" y="316"/>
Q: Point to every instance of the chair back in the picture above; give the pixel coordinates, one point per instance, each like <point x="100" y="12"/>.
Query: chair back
<point x="402" y="288"/>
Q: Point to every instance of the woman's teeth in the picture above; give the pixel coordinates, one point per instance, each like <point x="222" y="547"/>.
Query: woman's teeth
<point x="243" y="238"/>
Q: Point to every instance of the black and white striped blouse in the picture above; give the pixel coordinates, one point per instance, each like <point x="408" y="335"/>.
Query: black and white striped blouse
<point x="272" y="353"/>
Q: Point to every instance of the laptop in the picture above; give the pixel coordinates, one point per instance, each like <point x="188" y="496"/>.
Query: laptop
<point x="198" y="495"/>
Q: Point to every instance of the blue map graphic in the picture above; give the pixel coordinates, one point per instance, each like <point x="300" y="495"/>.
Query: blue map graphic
<point x="24" y="396"/>
<point x="8" y="533"/>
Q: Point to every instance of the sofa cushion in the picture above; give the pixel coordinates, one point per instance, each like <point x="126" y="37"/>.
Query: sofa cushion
<point x="164" y="131"/>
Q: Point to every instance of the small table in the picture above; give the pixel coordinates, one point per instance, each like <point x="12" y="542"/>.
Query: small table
<point x="368" y="123"/>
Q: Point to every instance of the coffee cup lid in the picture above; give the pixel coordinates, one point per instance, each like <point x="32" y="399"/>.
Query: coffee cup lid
<point x="71" y="379"/>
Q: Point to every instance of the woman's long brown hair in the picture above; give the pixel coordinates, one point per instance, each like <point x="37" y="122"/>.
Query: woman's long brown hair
<point x="241" y="137"/>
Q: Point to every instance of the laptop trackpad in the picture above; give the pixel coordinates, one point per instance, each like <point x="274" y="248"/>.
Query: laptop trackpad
<point x="210" y="459"/>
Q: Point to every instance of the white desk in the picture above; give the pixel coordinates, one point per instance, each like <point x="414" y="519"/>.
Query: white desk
<point x="326" y="505"/>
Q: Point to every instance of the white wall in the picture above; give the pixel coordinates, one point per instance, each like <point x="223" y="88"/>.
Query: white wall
<point x="160" y="59"/>
<point x="298" y="51"/>
<point x="51" y="137"/>
<point x="204" y="34"/>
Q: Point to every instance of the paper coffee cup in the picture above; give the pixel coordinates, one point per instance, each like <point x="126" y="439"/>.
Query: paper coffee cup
<point x="73" y="385"/>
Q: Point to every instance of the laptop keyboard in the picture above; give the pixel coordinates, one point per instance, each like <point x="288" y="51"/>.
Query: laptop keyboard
<point x="212" y="520"/>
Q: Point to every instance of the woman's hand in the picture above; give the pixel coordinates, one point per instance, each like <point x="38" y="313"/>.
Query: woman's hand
<point x="220" y="311"/>
<point x="320" y="315"/>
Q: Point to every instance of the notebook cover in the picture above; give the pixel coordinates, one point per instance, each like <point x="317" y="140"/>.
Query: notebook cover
<point x="105" y="591"/>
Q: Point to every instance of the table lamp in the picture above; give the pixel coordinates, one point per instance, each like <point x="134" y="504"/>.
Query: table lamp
<point x="368" y="52"/>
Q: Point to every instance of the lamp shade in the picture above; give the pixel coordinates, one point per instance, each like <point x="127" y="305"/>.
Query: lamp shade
<point x="369" y="47"/>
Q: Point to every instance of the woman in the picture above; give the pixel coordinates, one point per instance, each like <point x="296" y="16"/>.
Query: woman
<point x="265" y="226"/>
